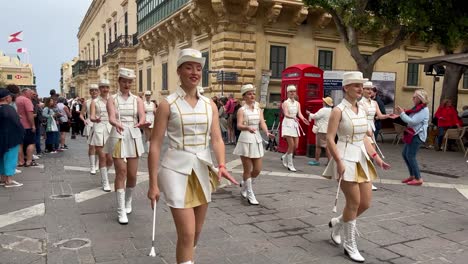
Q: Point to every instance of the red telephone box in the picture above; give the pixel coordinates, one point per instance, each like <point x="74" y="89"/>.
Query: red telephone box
<point x="309" y="83"/>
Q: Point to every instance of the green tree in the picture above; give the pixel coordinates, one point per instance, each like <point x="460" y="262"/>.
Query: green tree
<point x="441" y="22"/>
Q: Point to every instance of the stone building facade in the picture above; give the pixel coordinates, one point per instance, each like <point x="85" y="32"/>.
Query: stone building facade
<point x="13" y="71"/>
<point x="241" y="37"/>
<point x="107" y="41"/>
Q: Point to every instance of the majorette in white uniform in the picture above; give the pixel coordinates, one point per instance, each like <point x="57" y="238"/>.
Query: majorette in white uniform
<point x="250" y="144"/>
<point x="290" y="127"/>
<point x="101" y="130"/>
<point x="149" y="110"/>
<point x="187" y="176"/>
<point x="129" y="144"/>
<point x="351" y="132"/>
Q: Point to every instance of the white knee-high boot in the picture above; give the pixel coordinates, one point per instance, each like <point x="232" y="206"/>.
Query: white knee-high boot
<point x="128" y="199"/>
<point x="96" y="162"/>
<point x="122" y="214"/>
<point x="284" y="158"/>
<point x="105" y="179"/>
<point x="92" y="164"/>
<point x="250" y="194"/>
<point x="290" y="163"/>
<point x="243" y="191"/>
<point x="350" y="245"/>
<point x="336" y="224"/>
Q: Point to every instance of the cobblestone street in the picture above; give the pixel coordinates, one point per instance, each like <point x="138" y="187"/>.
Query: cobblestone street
<point x="60" y="216"/>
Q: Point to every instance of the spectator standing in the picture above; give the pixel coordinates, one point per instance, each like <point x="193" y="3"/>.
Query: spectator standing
<point x="447" y="117"/>
<point x="229" y="109"/>
<point x="14" y="90"/>
<point x="64" y="121"/>
<point x="375" y="96"/>
<point x="50" y="113"/>
<point x="223" y="117"/>
<point x="417" y="119"/>
<point x="38" y="118"/>
<point x="11" y="136"/>
<point x="25" y="109"/>
<point x="76" y="121"/>
<point x="320" y="129"/>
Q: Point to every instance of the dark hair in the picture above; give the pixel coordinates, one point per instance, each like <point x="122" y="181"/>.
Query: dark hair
<point x="374" y="89"/>
<point x="13" y="88"/>
<point x="52" y="92"/>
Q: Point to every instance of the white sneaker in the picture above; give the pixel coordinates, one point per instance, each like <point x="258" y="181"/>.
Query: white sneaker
<point x="17" y="171"/>
<point x="35" y="157"/>
<point x="374" y="188"/>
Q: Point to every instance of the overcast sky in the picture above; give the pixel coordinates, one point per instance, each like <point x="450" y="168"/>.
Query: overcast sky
<point x="49" y="33"/>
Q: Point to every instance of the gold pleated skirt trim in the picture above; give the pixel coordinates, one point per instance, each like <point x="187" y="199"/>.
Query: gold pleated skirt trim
<point x="194" y="195"/>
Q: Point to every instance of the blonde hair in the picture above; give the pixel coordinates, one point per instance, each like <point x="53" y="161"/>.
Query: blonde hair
<point x="422" y="95"/>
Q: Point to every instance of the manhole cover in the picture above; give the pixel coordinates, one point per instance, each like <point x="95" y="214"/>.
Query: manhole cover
<point x="74" y="243"/>
<point x="61" y="196"/>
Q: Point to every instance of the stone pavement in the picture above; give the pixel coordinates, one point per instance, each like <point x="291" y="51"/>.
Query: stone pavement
<point x="59" y="216"/>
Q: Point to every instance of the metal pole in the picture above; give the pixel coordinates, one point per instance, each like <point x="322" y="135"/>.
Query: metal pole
<point x="433" y="95"/>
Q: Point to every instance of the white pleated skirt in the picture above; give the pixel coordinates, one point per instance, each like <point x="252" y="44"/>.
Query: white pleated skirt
<point x="249" y="150"/>
<point x="125" y="147"/>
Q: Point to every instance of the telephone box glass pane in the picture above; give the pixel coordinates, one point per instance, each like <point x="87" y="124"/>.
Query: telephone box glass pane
<point x="312" y="91"/>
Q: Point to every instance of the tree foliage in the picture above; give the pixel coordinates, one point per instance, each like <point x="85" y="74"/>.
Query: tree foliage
<point x="440" y="22"/>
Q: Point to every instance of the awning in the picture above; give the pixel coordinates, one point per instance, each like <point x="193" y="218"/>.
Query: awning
<point x="457" y="59"/>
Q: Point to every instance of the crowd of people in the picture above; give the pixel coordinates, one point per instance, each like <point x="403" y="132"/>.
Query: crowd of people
<point x="116" y="127"/>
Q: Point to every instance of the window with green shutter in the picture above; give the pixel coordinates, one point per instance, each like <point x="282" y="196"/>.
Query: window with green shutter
<point x="148" y="79"/>
<point x="277" y="61"/>
<point x="9" y="77"/>
<point x="465" y="80"/>
<point x="206" y="68"/>
<point x="164" y="77"/>
<point x="412" y="76"/>
<point x="325" y="59"/>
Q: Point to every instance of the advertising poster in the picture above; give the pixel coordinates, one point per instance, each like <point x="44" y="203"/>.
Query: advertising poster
<point x="384" y="81"/>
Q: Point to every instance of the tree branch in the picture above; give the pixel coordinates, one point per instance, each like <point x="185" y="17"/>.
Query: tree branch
<point x="339" y="25"/>
<point x="397" y="41"/>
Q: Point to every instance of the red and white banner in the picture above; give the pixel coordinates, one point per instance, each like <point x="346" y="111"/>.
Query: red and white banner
<point x="22" y="50"/>
<point x="16" y="37"/>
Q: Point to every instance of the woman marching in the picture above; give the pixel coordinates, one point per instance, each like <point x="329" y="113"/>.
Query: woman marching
<point x="125" y="141"/>
<point x="249" y="145"/>
<point x="351" y="164"/>
<point x="101" y="131"/>
<point x="290" y="127"/>
<point x="85" y="115"/>
<point x="150" y="110"/>
<point x="417" y="119"/>
<point x="186" y="174"/>
<point x="373" y="111"/>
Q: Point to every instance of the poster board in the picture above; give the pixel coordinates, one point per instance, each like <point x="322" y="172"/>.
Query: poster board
<point x="384" y="81"/>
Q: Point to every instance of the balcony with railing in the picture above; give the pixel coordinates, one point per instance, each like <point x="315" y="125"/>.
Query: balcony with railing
<point x="123" y="41"/>
<point x="82" y="66"/>
<point x="150" y="15"/>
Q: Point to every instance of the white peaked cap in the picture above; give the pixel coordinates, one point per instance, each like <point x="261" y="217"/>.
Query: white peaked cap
<point x="191" y="55"/>
<point x="127" y="73"/>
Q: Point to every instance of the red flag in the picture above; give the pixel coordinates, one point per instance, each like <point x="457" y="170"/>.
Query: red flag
<point x="16" y="37"/>
<point x="22" y="50"/>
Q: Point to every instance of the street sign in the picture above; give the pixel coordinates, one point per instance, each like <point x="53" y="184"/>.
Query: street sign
<point x="226" y="77"/>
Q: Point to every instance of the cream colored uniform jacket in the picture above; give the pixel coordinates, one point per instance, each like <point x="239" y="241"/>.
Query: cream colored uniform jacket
<point x="250" y="144"/>
<point x="149" y="110"/>
<point x="289" y="126"/>
<point x="188" y="131"/>
<point x="370" y="106"/>
<point x="102" y="129"/>
<point x="351" y="132"/>
<point x="89" y="127"/>
<point x="131" y="145"/>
